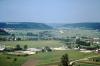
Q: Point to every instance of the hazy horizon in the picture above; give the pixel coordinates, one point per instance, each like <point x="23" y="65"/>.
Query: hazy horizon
<point x="51" y="23"/>
<point x="50" y="11"/>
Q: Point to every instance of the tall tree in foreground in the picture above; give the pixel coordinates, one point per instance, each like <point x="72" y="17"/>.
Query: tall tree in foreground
<point x="64" y="60"/>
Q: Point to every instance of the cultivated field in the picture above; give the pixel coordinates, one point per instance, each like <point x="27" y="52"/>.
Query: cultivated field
<point x="40" y="43"/>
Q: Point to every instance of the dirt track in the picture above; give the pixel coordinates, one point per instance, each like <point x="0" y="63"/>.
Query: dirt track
<point x="30" y="62"/>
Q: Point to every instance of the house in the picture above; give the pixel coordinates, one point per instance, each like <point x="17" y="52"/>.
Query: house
<point x="60" y="48"/>
<point x="22" y="53"/>
<point x="2" y="47"/>
<point x="29" y="52"/>
<point x="86" y="51"/>
<point x="96" y="40"/>
<point x="98" y="51"/>
<point x="34" y="49"/>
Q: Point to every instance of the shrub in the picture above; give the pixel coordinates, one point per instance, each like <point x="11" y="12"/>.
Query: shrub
<point x="15" y="59"/>
<point x="64" y="60"/>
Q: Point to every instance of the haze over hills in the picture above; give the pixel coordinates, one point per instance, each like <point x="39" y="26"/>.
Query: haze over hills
<point x="82" y="25"/>
<point x="56" y="25"/>
<point x="24" y="25"/>
<point x="33" y="25"/>
<point x="93" y="25"/>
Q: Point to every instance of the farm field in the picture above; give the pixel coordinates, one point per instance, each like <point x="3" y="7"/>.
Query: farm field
<point x="10" y="60"/>
<point x="40" y="43"/>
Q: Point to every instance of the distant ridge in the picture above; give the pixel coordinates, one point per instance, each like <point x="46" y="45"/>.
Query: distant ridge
<point x="24" y="25"/>
<point x="83" y="25"/>
<point x="3" y="32"/>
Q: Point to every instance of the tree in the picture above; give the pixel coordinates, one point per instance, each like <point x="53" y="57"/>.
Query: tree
<point x="64" y="60"/>
<point x="25" y="47"/>
<point x="18" y="47"/>
<point x="77" y="41"/>
<point x="18" y="39"/>
<point x="8" y="49"/>
<point x="15" y="59"/>
<point x="47" y="48"/>
<point x="13" y="37"/>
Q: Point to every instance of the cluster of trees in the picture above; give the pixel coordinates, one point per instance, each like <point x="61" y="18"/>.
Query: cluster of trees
<point x="79" y="42"/>
<point x="83" y="44"/>
<point x="95" y="59"/>
<point x="9" y="38"/>
<point x="46" y="49"/>
<point x="3" y="39"/>
<point x="3" y="32"/>
<point x="18" y="47"/>
<point x="31" y="34"/>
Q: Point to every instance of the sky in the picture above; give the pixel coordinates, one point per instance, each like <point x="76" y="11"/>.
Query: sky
<point x="50" y="11"/>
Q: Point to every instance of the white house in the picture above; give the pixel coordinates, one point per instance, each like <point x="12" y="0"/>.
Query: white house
<point x="23" y="53"/>
<point x="34" y="49"/>
<point x="60" y="48"/>
<point x="96" y="40"/>
<point x="29" y="52"/>
<point x="2" y="47"/>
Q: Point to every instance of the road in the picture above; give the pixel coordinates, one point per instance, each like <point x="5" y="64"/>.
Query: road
<point x="82" y="59"/>
<point x="30" y="62"/>
<point x="33" y="62"/>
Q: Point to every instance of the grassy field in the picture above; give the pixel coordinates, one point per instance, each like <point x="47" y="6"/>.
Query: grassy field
<point x="43" y="59"/>
<point x="84" y="64"/>
<point x="40" y="43"/>
<point x="54" y="57"/>
<point x="21" y="59"/>
<point x="9" y="60"/>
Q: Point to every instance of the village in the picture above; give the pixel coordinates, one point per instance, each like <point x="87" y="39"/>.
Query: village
<point x="29" y="51"/>
<point x="39" y="42"/>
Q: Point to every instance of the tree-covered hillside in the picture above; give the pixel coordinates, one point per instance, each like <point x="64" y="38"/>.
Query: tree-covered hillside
<point x="24" y="25"/>
<point x="83" y="25"/>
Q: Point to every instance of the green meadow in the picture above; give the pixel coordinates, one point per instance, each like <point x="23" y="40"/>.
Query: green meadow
<point x="43" y="59"/>
<point x="40" y="43"/>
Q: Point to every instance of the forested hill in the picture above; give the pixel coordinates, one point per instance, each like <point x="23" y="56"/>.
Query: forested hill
<point x="24" y="25"/>
<point x="83" y="25"/>
<point x="3" y="32"/>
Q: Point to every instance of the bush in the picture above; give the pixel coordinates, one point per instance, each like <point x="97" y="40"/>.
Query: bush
<point x="18" y="47"/>
<point x="64" y="60"/>
<point x="8" y="50"/>
<point x="48" y="49"/>
<point x="18" y="39"/>
<point x="8" y="57"/>
<point x="25" y="47"/>
<point x="15" y="59"/>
